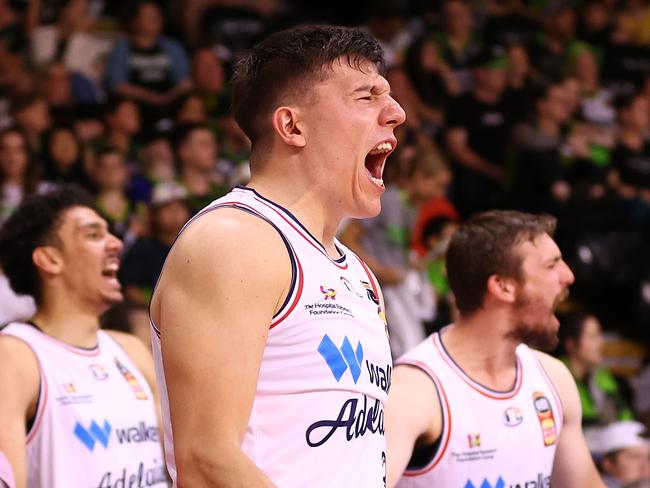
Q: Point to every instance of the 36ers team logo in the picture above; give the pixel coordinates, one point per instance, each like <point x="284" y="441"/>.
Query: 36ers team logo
<point x="512" y="417"/>
<point x="545" y="417"/>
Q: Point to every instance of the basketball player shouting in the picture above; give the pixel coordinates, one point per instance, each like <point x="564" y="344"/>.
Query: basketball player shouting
<point x="269" y="336"/>
<point x="78" y="406"/>
<point x="473" y="406"/>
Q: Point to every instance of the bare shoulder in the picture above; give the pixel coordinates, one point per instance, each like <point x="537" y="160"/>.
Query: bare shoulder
<point x="413" y="390"/>
<point x="556" y="370"/>
<point x="133" y="346"/>
<point x="231" y="244"/>
<point x="564" y="384"/>
<point x="15" y="351"/>
<point x="19" y="369"/>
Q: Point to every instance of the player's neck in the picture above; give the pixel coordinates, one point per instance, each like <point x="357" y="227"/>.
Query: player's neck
<point x="67" y="322"/>
<point x="479" y="344"/>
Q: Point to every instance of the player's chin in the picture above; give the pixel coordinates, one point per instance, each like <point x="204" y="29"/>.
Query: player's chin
<point x="113" y="297"/>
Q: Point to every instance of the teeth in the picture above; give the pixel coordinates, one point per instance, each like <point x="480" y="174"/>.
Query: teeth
<point x="381" y="148"/>
<point x="378" y="181"/>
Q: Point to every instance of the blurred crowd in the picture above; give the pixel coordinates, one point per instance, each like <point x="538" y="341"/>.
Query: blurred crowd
<point x="538" y="105"/>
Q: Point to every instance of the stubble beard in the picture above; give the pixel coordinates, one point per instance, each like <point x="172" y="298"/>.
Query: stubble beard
<point x="533" y="325"/>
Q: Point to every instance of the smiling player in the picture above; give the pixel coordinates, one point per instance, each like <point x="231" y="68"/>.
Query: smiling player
<point x="266" y="328"/>
<point x="483" y="408"/>
<point x="78" y="405"/>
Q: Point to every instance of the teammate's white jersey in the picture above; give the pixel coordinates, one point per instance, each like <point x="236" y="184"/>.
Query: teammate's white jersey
<point x="318" y="414"/>
<point x="95" y="426"/>
<point x="489" y="439"/>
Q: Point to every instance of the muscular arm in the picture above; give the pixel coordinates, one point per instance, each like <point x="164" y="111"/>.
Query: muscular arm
<point x="573" y="465"/>
<point x="456" y="139"/>
<point x="413" y="417"/>
<point x="19" y="385"/>
<point x="224" y="279"/>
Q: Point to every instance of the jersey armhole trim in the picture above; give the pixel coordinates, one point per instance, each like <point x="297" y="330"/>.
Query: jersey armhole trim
<point x="445" y="434"/>
<point x="35" y="422"/>
<point x="297" y="275"/>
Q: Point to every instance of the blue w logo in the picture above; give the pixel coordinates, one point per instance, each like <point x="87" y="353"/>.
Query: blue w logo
<point x="486" y="484"/>
<point x="94" y="434"/>
<point x="340" y="359"/>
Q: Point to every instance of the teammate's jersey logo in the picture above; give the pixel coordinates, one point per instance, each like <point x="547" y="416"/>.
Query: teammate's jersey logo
<point x="512" y="417"/>
<point x="93" y="434"/>
<point x="545" y="417"/>
<point x="474" y="440"/>
<point x="133" y="382"/>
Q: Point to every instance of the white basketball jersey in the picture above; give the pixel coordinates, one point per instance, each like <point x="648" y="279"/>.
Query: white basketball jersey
<point x="489" y="439"/>
<point x="95" y="425"/>
<point x="318" y="414"/>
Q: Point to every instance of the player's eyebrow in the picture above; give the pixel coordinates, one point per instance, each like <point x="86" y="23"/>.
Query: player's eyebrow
<point x="90" y="226"/>
<point x="365" y="88"/>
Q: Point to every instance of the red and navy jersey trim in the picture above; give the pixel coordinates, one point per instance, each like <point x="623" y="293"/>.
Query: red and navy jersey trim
<point x="297" y="275"/>
<point x="475" y="385"/>
<point x="296" y="225"/>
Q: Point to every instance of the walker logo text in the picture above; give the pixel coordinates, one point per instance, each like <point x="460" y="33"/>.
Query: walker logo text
<point x="540" y="482"/>
<point x="340" y="359"/>
<point x="486" y="484"/>
<point x="89" y="437"/>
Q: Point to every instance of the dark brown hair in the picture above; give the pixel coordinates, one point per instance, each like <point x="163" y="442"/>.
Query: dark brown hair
<point x="287" y="62"/>
<point x="484" y="246"/>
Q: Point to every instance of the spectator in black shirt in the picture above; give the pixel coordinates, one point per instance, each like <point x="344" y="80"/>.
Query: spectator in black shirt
<point x="196" y="152"/>
<point x="539" y="184"/>
<point x="458" y="44"/>
<point x="630" y="174"/>
<point x="143" y="262"/>
<point x="478" y="129"/>
<point x="148" y="67"/>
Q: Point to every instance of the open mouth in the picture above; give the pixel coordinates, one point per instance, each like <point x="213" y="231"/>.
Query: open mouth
<point x="376" y="159"/>
<point x="110" y="272"/>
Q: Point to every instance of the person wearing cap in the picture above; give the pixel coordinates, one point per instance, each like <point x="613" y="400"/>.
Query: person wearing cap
<point x="478" y="127"/>
<point x="169" y="210"/>
<point x="622" y="451"/>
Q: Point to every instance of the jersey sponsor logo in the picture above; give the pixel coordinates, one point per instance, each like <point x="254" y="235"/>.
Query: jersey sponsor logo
<point x="340" y="359"/>
<point x="350" y="287"/>
<point x="475" y="452"/>
<point x="328" y="293"/>
<point x="370" y="292"/>
<point x="357" y="420"/>
<point x="139" y="479"/>
<point x="93" y="434"/>
<point x="540" y="482"/>
<point x="140" y="433"/>
<point x="512" y="417"/>
<point x="474" y="440"/>
<point x="98" y="371"/>
<point x="545" y="417"/>
<point x="132" y="381"/>
<point x="71" y="395"/>
<point x="486" y="484"/>
<point x="381" y="377"/>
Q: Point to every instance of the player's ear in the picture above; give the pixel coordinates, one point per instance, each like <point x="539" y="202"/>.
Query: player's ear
<point x="47" y="259"/>
<point x="286" y="121"/>
<point x="501" y="288"/>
